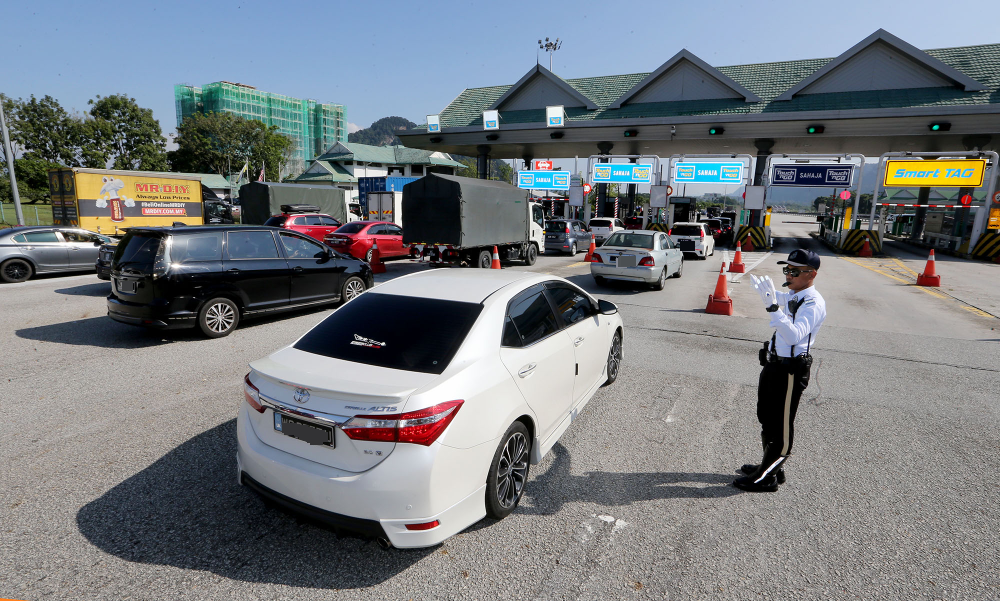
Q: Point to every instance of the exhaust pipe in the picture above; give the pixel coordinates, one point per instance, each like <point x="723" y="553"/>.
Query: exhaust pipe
<point x="384" y="543"/>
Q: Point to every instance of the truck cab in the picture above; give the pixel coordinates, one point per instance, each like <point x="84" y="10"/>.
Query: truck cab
<point x="537" y="225"/>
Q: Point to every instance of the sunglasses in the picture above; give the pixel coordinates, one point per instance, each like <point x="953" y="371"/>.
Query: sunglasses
<point x="795" y="271"/>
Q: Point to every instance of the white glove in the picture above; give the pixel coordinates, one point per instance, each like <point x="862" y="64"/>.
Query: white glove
<point x="765" y="288"/>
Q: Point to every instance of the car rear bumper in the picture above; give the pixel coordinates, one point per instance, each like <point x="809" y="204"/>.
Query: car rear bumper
<point x="150" y="317"/>
<point x="414" y="484"/>
<point x="644" y="274"/>
<point x="103" y="270"/>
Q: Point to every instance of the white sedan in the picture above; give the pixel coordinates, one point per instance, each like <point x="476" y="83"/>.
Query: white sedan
<point x="644" y="256"/>
<point x="414" y="410"/>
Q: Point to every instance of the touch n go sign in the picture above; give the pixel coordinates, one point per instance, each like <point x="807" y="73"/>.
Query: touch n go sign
<point x="968" y="173"/>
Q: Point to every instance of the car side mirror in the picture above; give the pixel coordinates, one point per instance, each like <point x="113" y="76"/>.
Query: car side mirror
<point x="606" y="307"/>
<point x="97" y="243"/>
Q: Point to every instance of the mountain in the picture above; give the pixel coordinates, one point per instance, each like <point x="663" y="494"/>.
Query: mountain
<point x="382" y="132"/>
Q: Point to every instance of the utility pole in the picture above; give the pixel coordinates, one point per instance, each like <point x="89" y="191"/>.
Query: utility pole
<point x="10" y="167"/>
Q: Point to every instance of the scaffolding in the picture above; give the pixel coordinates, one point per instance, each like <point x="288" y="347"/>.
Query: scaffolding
<point x="312" y="126"/>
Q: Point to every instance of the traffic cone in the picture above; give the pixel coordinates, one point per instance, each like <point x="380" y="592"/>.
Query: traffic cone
<point x="496" y="259"/>
<point x="720" y="303"/>
<point x="748" y="244"/>
<point x="377" y="265"/>
<point x="737" y="265"/>
<point x="866" y="250"/>
<point x="590" y="252"/>
<point x="929" y="277"/>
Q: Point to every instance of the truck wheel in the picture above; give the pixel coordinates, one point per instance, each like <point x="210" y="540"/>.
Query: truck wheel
<point x="485" y="259"/>
<point x="530" y="255"/>
<point x="15" y="270"/>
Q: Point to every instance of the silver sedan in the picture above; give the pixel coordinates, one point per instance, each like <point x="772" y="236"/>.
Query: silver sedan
<point x="637" y="256"/>
<point x="25" y="251"/>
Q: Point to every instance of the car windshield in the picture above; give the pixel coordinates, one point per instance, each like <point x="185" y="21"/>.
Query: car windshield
<point x="600" y="223"/>
<point x="630" y="240"/>
<point x="276" y="221"/>
<point x="137" y="250"/>
<point x="396" y="340"/>
<point x="351" y="228"/>
<point x="686" y="230"/>
<point x="555" y="226"/>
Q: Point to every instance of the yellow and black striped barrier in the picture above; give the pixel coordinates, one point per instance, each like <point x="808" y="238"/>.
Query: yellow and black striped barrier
<point x="659" y="227"/>
<point x="988" y="246"/>
<point x="756" y="234"/>
<point x="854" y="240"/>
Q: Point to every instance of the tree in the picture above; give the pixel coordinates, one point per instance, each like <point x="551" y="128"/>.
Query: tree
<point x="498" y="170"/>
<point x="121" y="133"/>
<point x="223" y="143"/>
<point x="45" y="131"/>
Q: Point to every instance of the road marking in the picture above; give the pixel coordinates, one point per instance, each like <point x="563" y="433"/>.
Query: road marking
<point x="979" y="312"/>
<point x="895" y="269"/>
<point x="736" y="278"/>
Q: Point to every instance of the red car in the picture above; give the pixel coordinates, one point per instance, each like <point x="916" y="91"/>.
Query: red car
<point x="356" y="239"/>
<point x="305" y="219"/>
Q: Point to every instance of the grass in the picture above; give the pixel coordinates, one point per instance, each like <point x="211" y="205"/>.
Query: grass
<point x="36" y="214"/>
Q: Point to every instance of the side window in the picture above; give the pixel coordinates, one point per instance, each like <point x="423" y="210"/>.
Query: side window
<point x="666" y="242"/>
<point x="393" y="230"/>
<point x="510" y="336"/>
<point x="30" y="237"/>
<point x="324" y="220"/>
<point x="300" y="248"/>
<point x="533" y="317"/>
<point x="196" y="247"/>
<point x="572" y="304"/>
<point x="77" y="236"/>
<point x="251" y="245"/>
<point x="576" y="226"/>
<point x="313" y="220"/>
<point x="538" y="215"/>
<point x="619" y="223"/>
<point x="298" y="221"/>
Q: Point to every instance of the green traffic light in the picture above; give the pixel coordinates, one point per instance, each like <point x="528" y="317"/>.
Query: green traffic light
<point x="936" y="127"/>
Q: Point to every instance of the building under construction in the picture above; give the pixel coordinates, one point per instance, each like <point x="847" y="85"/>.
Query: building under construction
<point x="313" y="126"/>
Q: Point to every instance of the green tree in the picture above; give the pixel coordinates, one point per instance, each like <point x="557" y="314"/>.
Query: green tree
<point x="223" y="143"/>
<point x="45" y="131"/>
<point x="498" y="170"/>
<point x="121" y="133"/>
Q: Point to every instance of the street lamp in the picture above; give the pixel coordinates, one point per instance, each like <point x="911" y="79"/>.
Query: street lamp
<point x="550" y="47"/>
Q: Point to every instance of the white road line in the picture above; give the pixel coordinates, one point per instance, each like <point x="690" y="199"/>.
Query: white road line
<point x="736" y="278"/>
<point x="725" y="257"/>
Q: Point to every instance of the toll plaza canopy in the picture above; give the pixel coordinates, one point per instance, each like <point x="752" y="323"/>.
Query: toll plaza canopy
<point x="880" y="95"/>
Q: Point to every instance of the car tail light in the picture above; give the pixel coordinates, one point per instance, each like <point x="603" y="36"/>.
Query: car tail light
<point x="647" y="262"/>
<point x="670" y="232"/>
<point x="567" y="229"/>
<point x="596" y="259"/>
<point x="702" y="232"/>
<point x="252" y="395"/>
<point x="423" y="526"/>
<point x="417" y="427"/>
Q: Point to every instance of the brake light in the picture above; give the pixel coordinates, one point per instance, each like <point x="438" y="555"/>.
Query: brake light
<point x="417" y="427"/>
<point x="670" y="232"/>
<point x="596" y="259"/>
<point x="647" y="262"/>
<point x="567" y="229"/>
<point x="252" y="395"/>
<point x="702" y="232"/>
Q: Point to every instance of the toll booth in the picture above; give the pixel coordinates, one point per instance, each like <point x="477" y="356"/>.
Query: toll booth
<point x="681" y="209"/>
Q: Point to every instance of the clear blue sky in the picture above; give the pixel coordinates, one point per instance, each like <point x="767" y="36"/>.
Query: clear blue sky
<point x="412" y="58"/>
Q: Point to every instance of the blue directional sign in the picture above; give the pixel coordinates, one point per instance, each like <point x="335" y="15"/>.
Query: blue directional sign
<point x="543" y="180"/>
<point x="708" y="173"/>
<point x="812" y="175"/>
<point x="622" y="174"/>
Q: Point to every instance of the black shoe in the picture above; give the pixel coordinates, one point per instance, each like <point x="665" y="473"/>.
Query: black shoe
<point x="749" y="468"/>
<point x="769" y="484"/>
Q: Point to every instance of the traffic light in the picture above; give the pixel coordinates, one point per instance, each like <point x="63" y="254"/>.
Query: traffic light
<point x="631" y="133"/>
<point x="939" y="126"/>
<point x="716" y="131"/>
<point x="815" y="129"/>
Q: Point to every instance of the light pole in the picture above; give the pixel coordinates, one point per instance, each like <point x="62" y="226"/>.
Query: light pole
<point x="550" y="47"/>
<point x="10" y="167"/>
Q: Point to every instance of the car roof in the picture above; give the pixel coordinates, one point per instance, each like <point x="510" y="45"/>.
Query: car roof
<point x="203" y="228"/>
<point x="689" y="223"/>
<point x="301" y="214"/>
<point x="627" y="231"/>
<point x="458" y="284"/>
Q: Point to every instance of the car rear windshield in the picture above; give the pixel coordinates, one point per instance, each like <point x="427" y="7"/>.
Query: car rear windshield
<point x="276" y="221"/>
<point x="686" y="230"/>
<point x="351" y="228"/>
<point x="137" y="250"/>
<point x="398" y="332"/>
<point x="600" y="223"/>
<point x="555" y="226"/>
<point x="630" y="240"/>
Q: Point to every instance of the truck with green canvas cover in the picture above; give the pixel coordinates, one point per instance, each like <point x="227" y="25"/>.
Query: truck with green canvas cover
<point x="261" y="200"/>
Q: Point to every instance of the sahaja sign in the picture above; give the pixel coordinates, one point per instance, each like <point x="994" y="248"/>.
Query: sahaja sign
<point x="812" y="175"/>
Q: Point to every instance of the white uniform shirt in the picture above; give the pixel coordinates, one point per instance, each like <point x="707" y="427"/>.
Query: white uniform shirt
<point x="795" y="331"/>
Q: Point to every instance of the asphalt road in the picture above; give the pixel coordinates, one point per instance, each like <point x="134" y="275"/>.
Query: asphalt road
<point x="117" y="457"/>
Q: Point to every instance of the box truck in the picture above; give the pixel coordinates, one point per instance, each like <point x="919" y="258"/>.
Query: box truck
<point x="386" y="206"/>
<point x="260" y="200"/>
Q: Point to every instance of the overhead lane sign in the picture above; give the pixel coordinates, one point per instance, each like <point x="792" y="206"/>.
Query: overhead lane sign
<point x="606" y="173"/>
<point x="812" y="175"/>
<point x="708" y="173"/>
<point x="543" y="180"/>
<point x="967" y="173"/>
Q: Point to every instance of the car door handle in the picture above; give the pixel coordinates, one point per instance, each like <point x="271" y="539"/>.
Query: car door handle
<point x="297" y="269"/>
<point x="578" y="341"/>
<point x="74" y="248"/>
<point x="527" y="370"/>
<point x="234" y="270"/>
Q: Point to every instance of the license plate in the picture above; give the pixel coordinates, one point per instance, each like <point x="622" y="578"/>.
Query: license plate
<point x="303" y="430"/>
<point x="126" y="286"/>
<point x="626" y="261"/>
<point x="686" y="245"/>
<point x="551" y="237"/>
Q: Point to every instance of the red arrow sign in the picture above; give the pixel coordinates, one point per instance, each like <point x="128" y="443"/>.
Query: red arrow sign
<point x="966" y="200"/>
<point x="543" y="165"/>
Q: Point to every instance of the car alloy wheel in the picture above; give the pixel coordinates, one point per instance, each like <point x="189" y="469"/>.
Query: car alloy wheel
<point x="16" y="270"/>
<point x="614" y="358"/>
<point x="220" y="317"/>
<point x="353" y="288"/>
<point x="572" y="250"/>
<point x="509" y="472"/>
<point x="368" y="255"/>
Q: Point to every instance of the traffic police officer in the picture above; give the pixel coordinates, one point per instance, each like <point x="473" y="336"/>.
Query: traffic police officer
<point x="797" y="317"/>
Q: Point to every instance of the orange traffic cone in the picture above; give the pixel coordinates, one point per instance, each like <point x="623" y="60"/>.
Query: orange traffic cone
<point x="590" y="252"/>
<point x="748" y="244"/>
<point x="866" y="250"/>
<point x="377" y="265"/>
<point x="496" y="259"/>
<point x="720" y="303"/>
<point x="737" y="265"/>
<point x="929" y="277"/>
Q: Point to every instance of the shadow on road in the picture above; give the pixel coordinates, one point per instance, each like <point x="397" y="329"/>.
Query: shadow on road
<point x="186" y="510"/>
<point x="549" y="491"/>
<point x="101" y="332"/>
<point x="101" y="289"/>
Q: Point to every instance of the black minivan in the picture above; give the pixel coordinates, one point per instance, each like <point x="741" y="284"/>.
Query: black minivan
<point x="210" y="277"/>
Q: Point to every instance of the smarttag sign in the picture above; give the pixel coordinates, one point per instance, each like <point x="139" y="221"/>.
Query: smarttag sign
<point x="433" y="124"/>
<point x="962" y="173"/>
<point x="543" y="180"/>
<point x="708" y="173"/>
<point x="554" y="116"/>
<point x="812" y="175"/>
<point x="491" y="119"/>
<point x="606" y="173"/>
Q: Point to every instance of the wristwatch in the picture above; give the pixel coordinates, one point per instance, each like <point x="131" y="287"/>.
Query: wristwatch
<point x="772" y="308"/>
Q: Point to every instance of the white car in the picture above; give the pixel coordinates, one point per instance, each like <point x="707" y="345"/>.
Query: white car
<point x="644" y="256"/>
<point x="413" y="426"/>
<point x="693" y="238"/>
<point x="603" y="227"/>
